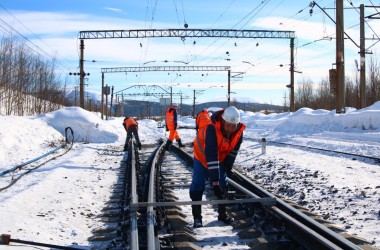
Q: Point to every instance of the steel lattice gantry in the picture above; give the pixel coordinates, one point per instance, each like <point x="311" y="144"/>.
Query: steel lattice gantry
<point x="227" y="33"/>
<point x="165" y="68"/>
<point x="142" y="33"/>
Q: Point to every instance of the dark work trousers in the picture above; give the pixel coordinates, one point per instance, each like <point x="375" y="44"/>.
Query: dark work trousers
<point x="197" y="187"/>
<point x="132" y="130"/>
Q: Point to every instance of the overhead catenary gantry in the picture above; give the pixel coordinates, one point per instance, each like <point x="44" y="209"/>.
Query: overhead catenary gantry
<point x="165" y="68"/>
<point x="221" y="33"/>
<point x="169" y="68"/>
<point x="146" y="33"/>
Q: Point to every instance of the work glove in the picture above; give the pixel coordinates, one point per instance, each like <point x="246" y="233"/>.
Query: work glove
<point x="218" y="191"/>
<point x="227" y="169"/>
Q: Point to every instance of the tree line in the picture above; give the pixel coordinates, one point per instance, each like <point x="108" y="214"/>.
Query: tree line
<point x="321" y="97"/>
<point x="29" y="83"/>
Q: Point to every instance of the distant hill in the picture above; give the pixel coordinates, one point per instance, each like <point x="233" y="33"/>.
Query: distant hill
<point x="150" y="109"/>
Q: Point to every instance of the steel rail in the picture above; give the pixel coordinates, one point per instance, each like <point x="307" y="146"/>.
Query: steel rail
<point x="319" y="233"/>
<point x="152" y="240"/>
<point x="327" y="150"/>
<point x="134" y="241"/>
<point x="320" y="229"/>
<point x="305" y="230"/>
<point x="321" y="149"/>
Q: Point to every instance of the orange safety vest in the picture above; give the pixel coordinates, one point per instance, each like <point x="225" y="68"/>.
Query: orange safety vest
<point x="170" y="118"/>
<point x="225" y="145"/>
<point x="203" y="119"/>
<point x="129" y="122"/>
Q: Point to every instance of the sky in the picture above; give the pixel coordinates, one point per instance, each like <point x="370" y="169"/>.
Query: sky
<point x="52" y="30"/>
<point x="61" y="201"/>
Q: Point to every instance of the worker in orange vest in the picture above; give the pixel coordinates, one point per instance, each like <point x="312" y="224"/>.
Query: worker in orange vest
<point x="202" y="119"/>
<point x="131" y="126"/>
<point x="215" y="150"/>
<point x="171" y="126"/>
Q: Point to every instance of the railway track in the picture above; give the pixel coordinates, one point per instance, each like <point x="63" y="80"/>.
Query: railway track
<point x="155" y="215"/>
<point x="150" y="209"/>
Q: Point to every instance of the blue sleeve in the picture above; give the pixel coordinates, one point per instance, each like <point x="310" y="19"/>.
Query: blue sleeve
<point x="211" y="152"/>
<point x="230" y="159"/>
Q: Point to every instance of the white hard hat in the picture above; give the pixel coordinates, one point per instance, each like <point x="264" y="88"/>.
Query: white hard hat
<point x="231" y="115"/>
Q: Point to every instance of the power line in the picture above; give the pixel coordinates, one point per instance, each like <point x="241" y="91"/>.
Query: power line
<point x="29" y="41"/>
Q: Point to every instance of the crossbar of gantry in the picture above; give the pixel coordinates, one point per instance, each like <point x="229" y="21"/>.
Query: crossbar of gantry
<point x="165" y="68"/>
<point x="229" y="33"/>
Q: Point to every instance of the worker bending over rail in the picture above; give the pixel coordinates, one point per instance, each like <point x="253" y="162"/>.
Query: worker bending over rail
<point x="215" y="149"/>
<point x="131" y="127"/>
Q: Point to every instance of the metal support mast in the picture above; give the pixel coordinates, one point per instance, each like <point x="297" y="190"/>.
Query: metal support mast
<point x="362" y="60"/>
<point x="292" y="107"/>
<point x="81" y="76"/>
<point x="229" y="88"/>
<point x="340" y="101"/>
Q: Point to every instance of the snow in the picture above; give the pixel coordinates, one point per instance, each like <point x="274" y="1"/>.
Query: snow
<point x="61" y="200"/>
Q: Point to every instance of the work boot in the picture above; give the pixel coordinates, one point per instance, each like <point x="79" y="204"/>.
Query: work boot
<point x="197" y="223"/>
<point x="197" y="214"/>
<point x="223" y="216"/>
<point x="180" y="143"/>
<point x="168" y="144"/>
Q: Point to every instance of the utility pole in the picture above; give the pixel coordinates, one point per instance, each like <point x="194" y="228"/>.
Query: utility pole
<point x="340" y="101"/>
<point x="193" y="113"/>
<point x="171" y="95"/>
<point x="107" y="102"/>
<point x="81" y="75"/>
<point x="76" y="93"/>
<point x="111" y="100"/>
<point x="180" y="111"/>
<point x="229" y="88"/>
<point x="87" y="102"/>
<point x="102" y="98"/>
<point x="362" y="60"/>
<point x="292" y="107"/>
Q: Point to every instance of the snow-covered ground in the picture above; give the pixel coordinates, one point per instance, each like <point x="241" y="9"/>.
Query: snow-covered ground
<point x="60" y="201"/>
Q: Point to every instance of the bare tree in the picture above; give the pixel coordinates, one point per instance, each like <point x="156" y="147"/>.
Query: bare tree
<point x="324" y="99"/>
<point x="28" y="82"/>
<point x="304" y="94"/>
<point x="373" y="92"/>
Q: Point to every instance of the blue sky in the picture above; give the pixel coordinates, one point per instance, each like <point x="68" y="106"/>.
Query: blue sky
<point x="52" y="30"/>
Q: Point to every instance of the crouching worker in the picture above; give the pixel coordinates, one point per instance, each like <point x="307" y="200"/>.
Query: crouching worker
<point x="215" y="149"/>
<point x="171" y="126"/>
<point x="131" y="126"/>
